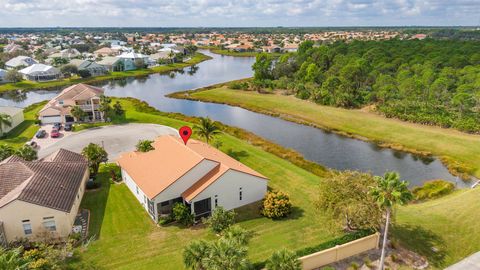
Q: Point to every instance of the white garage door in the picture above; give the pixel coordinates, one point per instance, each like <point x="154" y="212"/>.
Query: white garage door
<point x="51" y="119"/>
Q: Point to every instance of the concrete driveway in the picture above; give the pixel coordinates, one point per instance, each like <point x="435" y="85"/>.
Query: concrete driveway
<point x="115" y="139"/>
<point x="47" y="140"/>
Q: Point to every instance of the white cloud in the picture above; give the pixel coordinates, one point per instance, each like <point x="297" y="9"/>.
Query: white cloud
<point x="237" y="12"/>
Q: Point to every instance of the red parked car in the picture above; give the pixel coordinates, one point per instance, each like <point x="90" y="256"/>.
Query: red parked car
<point x="55" y="133"/>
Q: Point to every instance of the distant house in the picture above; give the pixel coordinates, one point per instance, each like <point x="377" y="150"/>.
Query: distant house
<point x="41" y="197"/>
<point x="11" y="48"/>
<point x="105" y="51"/>
<point x="271" y="49"/>
<point x="130" y="59"/>
<point x="16" y="117"/>
<point x="112" y="63"/>
<point x="3" y="73"/>
<point x="195" y="174"/>
<point x="94" y="68"/>
<point x="292" y="47"/>
<point x="67" y="54"/>
<point x="87" y="97"/>
<point x="20" y="61"/>
<point x="40" y="72"/>
<point x="164" y="55"/>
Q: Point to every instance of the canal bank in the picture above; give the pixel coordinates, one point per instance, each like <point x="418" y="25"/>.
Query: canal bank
<point x="326" y="148"/>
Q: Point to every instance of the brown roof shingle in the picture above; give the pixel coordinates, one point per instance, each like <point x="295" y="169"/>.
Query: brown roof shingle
<point x="53" y="182"/>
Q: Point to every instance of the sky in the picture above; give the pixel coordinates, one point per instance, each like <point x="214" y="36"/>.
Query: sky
<point x="237" y="13"/>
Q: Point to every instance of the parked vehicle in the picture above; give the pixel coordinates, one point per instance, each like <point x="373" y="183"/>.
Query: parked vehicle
<point x="55" y="133"/>
<point x="32" y="144"/>
<point x="68" y="127"/>
<point x="40" y="134"/>
<point x="58" y="125"/>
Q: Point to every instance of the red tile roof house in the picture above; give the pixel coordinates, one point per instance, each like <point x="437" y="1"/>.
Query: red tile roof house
<point x="195" y="174"/>
<point x="39" y="197"/>
<point x="85" y="96"/>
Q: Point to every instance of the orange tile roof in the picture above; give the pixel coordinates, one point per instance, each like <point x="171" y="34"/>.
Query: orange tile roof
<point x="156" y="170"/>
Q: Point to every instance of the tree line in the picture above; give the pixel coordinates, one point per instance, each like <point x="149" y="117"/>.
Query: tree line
<point x="434" y="82"/>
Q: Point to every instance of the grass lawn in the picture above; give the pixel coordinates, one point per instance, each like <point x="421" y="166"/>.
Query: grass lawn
<point x="26" y="130"/>
<point x="123" y="227"/>
<point x="459" y="150"/>
<point x="449" y="224"/>
<point x="197" y="58"/>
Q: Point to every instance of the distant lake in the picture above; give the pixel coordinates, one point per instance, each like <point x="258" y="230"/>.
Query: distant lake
<point x="326" y="148"/>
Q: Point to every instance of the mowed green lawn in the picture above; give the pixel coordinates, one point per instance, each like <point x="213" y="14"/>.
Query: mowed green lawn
<point x="449" y="224"/>
<point x="128" y="239"/>
<point x="453" y="146"/>
<point x="26" y="130"/>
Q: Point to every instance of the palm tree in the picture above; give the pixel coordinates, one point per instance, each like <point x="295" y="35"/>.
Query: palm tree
<point x="207" y="129"/>
<point x="194" y="253"/>
<point x="6" y="151"/>
<point x="389" y="192"/>
<point x="283" y="260"/>
<point x="95" y="154"/>
<point x="104" y="106"/>
<point x="226" y="254"/>
<point x="144" y="146"/>
<point x="27" y="153"/>
<point x="5" y="120"/>
<point x="78" y="113"/>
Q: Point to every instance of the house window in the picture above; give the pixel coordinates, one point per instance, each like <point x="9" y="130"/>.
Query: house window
<point x="216" y="201"/>
<point x="137" y="189"/>
<point x="240" y="194"/>
<point x="60" y="102"/>
<point x="49" y="224"/>
<point x="27" y="227"/>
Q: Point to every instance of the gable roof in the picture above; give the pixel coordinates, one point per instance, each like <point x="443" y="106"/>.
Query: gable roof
<point x="156" y="170"/>
<point x="52" y="182"/>
<point x="77" y="91"/>
<point x="20" y="61"/>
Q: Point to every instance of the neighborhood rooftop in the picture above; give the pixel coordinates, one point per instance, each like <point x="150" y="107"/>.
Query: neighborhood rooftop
<point x="52" y="182"/>
<point x="173" y="160"/>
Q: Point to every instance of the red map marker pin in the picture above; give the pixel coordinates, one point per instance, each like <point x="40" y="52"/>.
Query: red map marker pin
<point x="185" y="132"/>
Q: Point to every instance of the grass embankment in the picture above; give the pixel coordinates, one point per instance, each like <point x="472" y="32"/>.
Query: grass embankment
<point x="447" y="224"/>
<point x="197" y="58"/>
<point x="459" y="151"/>
<point x="123" y="227"/>
<point x="26" y="130"/>
<point x="121" y="224"/>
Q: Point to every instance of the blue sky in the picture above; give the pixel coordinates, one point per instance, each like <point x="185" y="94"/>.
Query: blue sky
<point x="230" y="13"/>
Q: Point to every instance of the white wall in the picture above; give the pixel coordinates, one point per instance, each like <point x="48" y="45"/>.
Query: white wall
<point x="13" y="213"/>
<point x="133" y="188"/>
<point x="227" y="189"/>
<point x="173" y="191"/>
<point x="186" y="181"/>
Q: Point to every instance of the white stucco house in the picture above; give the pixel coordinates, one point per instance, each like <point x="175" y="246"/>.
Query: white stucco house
<point x="195" y="174"/>
<point x="16" y="117"/>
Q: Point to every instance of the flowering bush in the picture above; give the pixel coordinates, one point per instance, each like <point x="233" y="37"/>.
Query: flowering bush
<point x="276" y="205"/>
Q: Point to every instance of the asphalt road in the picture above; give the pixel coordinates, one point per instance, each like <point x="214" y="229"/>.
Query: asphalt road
<point x="115" y="139"/>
